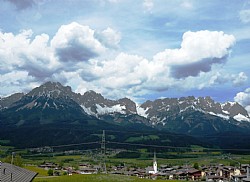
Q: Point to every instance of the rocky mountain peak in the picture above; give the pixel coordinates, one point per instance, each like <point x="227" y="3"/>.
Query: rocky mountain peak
<point x="163" y="110"/>
<point x="51" y="89"/>
<point x="92" y="95"/>
<point x="130" y="106"/>
<point x="53" y="95"/>
<point x="234" y="108"/>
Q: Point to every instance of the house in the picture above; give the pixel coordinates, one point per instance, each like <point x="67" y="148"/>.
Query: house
<point x="180" y="175"/>
<point x="9" y="172"/>
<point x="83" y="166"/>
<point x="49" y="165"/>
<point x="168" y="175"/>
<point x="194" y="174"/>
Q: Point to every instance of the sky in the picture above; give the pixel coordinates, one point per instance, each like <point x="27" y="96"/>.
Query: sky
<point x="140" y="49"/>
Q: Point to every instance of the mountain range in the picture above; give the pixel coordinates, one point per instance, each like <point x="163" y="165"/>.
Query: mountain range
<point x="53" y="104"/>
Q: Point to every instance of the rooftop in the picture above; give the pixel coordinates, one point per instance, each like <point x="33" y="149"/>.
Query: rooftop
<point x="14" y="173"/>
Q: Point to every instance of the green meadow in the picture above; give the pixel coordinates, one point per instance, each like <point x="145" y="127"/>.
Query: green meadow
<point x="94" y="178"/>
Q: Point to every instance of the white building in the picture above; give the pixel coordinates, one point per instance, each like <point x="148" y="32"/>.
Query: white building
<point x="153" y="170"/>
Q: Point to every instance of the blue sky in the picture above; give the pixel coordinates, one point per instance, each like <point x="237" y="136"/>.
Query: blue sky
<point x="143" y="49"/>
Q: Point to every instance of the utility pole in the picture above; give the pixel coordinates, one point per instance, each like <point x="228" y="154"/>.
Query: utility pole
<point x="103" y="147"/>
<point x="103" y="153"/>
<point x="12" y="157"/>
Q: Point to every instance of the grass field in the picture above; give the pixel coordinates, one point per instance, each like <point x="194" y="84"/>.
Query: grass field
<point x="70" y="160"/>
<point x="94" y="178"/>
<point x="41" y="172"/>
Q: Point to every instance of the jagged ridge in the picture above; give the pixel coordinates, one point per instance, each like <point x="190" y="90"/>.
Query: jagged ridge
<point x="158" y="113"/>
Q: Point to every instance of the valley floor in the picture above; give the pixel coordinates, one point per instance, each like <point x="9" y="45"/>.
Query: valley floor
<point x="93" y="178"/>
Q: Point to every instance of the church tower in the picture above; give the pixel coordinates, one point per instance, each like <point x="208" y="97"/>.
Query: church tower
<point x="155" y="164"/>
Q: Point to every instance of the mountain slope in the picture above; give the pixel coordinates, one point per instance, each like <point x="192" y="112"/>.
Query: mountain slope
<point x="54" y="103"/>
<point x="48" y="103"/>
<point x="6" y="102"/>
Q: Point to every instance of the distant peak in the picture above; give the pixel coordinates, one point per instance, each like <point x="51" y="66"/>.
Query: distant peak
<point x="125" y="99"/>
<point x="90" y="92"/>
<point x="50" y="83"/>
<point x="54" y="89"/>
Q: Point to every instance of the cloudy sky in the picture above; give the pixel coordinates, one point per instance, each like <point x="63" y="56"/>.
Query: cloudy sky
<point x="141" y="49"/>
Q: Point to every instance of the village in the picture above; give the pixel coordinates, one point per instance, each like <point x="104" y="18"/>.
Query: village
<point x="213" y="172"/>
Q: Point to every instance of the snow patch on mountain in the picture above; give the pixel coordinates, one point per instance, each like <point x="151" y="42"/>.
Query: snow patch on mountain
<point x="114" y="109"/>
<point x="141" y="111"/>
<point x="162" y="121"/>
<point x="219" y="115"/>
<point x="240" y="117"/>
<point x="225" y="112"/>
<point x="88" y="110"/>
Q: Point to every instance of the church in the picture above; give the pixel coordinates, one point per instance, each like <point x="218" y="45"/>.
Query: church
<point x="153" y="169"/>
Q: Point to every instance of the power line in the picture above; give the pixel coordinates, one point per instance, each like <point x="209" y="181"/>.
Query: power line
<point x="145" y="145"/>
<point x="166" y="133"/>
<point x="137" y="144"/>
<point x="174" y="147"/>
<point x="74" y="144"/>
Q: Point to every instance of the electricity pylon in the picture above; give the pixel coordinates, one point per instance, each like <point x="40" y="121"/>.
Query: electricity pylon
<point x="103" y="153"/>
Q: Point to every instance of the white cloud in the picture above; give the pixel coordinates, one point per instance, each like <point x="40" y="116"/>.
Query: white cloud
<point x="75" y="42"/>
<point x="240" y="79"/>
<point x="11" y="46"/>
<point x="198" y="52"/>
<point x="124" y="71"/>
<point x="245" y="16"/>
<point x="42" y="59"/>
<point x="244" y="99"/>
<point x="222" y="78"/>
<point x="75" y="56"/>
<point x="19" y="52"/>
<point x="134" y="75"/>
<point x="16" y="81"/>
<point x="109" y="37"/>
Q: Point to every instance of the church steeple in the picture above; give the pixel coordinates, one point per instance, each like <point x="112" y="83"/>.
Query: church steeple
<point x="155" y="164"/>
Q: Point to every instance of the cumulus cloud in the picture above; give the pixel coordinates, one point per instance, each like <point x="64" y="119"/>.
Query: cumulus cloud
<point x="42" y="58"/>
<point x="245" y="16"/>
<point x="198" y="52"/>
<point x="109" y="37"/>
<point x="122" y="72"/>
<point x="16" y="81"/>
<point x="240" y="79"/>
<point x="19" y="52"/>
<point x="244" y="99"/>
<point x="75" y="42"/>
<point x="222" y="78"/>
<point x="75" y="56"/>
